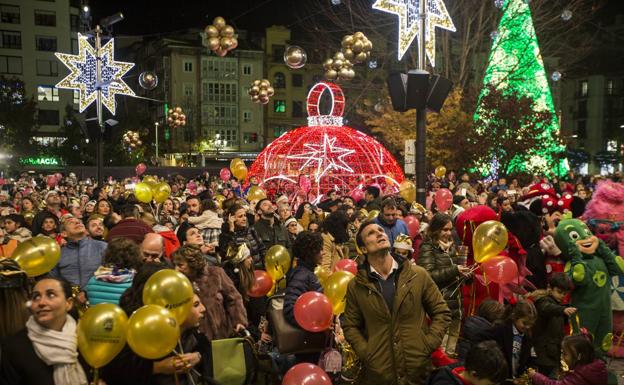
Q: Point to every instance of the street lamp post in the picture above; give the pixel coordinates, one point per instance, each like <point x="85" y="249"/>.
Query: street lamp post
<point x="156" y="125"/>
<point x="421" y="115"/>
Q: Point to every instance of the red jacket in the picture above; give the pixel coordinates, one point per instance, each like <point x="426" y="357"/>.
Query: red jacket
<point x="594" y="373"/>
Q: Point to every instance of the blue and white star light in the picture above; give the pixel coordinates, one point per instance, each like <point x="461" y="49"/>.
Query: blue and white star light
<point x="408" y="12"/>
<point x="83" y="74"/>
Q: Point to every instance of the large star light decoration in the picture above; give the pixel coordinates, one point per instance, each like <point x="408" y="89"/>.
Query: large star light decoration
<point x="83" y="74"/>
<point x="408" y="12"/>
<point x="326" y="155"/>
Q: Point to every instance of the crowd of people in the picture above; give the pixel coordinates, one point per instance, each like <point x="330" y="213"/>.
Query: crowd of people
<point x="412" y="314"/>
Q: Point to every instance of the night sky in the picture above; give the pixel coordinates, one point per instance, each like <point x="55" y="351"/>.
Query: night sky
<point x="149" y="16"/>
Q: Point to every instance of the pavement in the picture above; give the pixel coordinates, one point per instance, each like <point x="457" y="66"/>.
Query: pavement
<point x="616" y="365"/>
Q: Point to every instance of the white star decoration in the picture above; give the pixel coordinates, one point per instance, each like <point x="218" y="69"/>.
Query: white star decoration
<point x="326" y="155"/>
<point x="409" y="26"/>
<point x="83" y="74"/>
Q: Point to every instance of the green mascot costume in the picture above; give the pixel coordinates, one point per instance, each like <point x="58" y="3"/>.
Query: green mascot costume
<point x="590" y="265"/>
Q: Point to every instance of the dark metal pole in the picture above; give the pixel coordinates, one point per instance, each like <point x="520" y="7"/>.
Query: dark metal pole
<point x="98" y="72"/>
<point x="421" y="159"/>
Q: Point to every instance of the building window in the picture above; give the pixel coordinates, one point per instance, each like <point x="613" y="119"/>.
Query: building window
<point x="188" y="89"/>
<point x="11" y="39"/>
<point x="188" y="66"/>
<point x="74" y="23"/>
<point x="581" y="129"/>
<point x="48" y="117"/>
<point x="279" y="80"/>
<point x="584" y="88"/>
<point x="582" y="109"/>
<point x="11" y="65"/>
<point x="297" y="80"/>
<point x="279" y="106"/>
<point x="247" y="116"/>
<point x="278" y="53"/>
<point x="45" y="18"/>
<point x="47" y="68"/>
<point x="9" y="14"/>
<point x="219" y="115"/>
<point x="250" y="137"/>
<point x="230" y="136"/>
<point x="279" y="131"/>
<point x="247" y="69"/>
<point x="610" y="87"/>
<point x="297" y="109"/>
<point x="76" y="98"/>
<point x="46" y="43"/>
<point x="47" y="94"/>
<point x="219" y="92"/>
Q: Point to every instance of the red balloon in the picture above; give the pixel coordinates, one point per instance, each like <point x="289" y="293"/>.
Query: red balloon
<point x="225" y="174"/>
<point x="51" y="181"/>
<point x="346" y="265"/>
<point x="357" y="194"/>
<point x="500" y="269"/>
<point x="313" y="311"/>
<point x="140" y="169"/>
<point x="306" y="374"/>
<point x="443" y="199"/>
<point x="262" y="284"/>
<point x="413" y="225"/>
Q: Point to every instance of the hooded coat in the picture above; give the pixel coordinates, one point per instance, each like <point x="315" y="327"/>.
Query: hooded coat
<point x="594" y="373"/>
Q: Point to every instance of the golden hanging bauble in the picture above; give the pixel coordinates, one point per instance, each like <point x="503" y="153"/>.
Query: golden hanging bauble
<point x="211" y="31"/>
<point x="219" y="22"/>
<point x="227" y="31"/>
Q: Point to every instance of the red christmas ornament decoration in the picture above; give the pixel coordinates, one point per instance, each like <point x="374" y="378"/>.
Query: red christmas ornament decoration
<point x="331" y="155"/>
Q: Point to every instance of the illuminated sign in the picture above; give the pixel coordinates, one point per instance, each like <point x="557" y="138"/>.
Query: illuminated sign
<point x="40" y="161"/>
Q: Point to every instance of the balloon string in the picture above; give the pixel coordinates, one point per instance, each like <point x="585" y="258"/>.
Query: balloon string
<point x="96" y="376"/>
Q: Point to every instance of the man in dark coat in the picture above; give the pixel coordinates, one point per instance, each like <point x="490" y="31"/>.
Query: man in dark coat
<point x="270" y="230"/>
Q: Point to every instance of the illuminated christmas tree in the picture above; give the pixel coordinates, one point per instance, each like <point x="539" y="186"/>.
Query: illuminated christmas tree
<point x="515" y="67"/>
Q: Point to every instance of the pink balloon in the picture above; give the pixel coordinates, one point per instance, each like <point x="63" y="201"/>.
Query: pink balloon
<point x="140" y="169"/>
<point x="313" y="311"/>
<point x="500" y="269"/>
<point x="306" y="374"/>
<point x="51" y="181"/>
<point x="413" y="225"/>
<point x="443" y="199"/>
<point x="225" y="174"/>
<point x="135" y="179"/>
<point x="262" y="284"/>
<point x="357" y="194"/>
<point x="58" y="176"/>
<point x="346" y="265"/>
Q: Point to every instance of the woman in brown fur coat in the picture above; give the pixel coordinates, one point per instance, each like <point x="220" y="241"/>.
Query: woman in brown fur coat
<point x="225" y="312"/>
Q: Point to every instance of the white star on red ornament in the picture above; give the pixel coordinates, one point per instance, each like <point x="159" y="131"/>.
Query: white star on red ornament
<point x="326" y="155"/>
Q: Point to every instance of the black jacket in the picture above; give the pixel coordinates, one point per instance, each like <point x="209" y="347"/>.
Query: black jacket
<point x="548" y="330"/>
<point x="299" y="280"/>
<point x="444" y="273"/>
<point x="503" y="335"/>
<point x="445" y="376"/>
<point x="476" y="329"/>
<point x="270" y="235"/>
<point x="20" y="365"/>
<point x="248" y="236"/>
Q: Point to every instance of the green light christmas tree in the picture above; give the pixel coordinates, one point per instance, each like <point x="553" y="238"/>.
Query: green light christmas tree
<point x="515" y="67"/>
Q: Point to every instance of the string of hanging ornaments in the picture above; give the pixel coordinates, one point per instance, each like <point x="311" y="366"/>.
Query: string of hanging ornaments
<point x="326" y="155"/>
<point x="355" y="50"/>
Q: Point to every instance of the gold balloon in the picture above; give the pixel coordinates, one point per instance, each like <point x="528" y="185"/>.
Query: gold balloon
<point x="234" y="162"/>
<point x="270" y="91"/>
<point x="219" y="199"/>
<point x="178" y="110"/>
<point x="37" y="255"/>
<point x="226" y="43"/>
<point x="227" y="31"/>
<point x="265" y="83"/>
<point x="338" y="64"/>
<point x="367" y="45"/>
<point x="372" y="215"/>
<point x="322" y="274"/>
<point x="102" y="333"/>
<point x="347" y="41"/>
<point x="361" y="57"/>
<point x="488" y="240"/>
<point x="214" y="43"/>
<point x="331" y="74"/>
<point x="339" y="56"/>
<point x="161" y="192"/>
<point x="328" y="63"/>
<point x="212" y="31"/>
<point x="219" y="22"/>
<point x="358" y="46"/>
<point x="240" y="171"/>
<point x="172" y="290"/>
<point x="255" y="193"/>
<point x="335" y="289"/>
<point x="407" y="190"/>
<point x="254" y="90"/>
<point x="359" y="35"/>
<point x="152" y="332"/>
<point x="151" y="180"/>
<point x="440" y="171"/>
<point x="234" y="43"/>
<point x="264" y="100"/>
<point x="255" y="98"/>
<point x="344" y="73"/>
<point x="143" y="192"/>
<point x="263" y="93"/>
<point x="277" y="262"/>
<point x="348" y="53"/>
